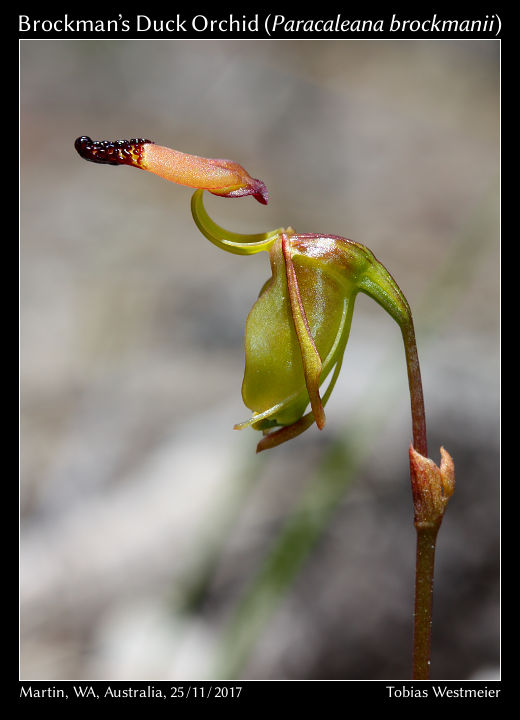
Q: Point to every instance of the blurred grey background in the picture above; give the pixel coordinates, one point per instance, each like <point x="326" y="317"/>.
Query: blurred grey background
<point x="155" y="544"/>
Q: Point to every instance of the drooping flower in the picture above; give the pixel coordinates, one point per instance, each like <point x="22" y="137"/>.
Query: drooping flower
<point x="297" y="330"/>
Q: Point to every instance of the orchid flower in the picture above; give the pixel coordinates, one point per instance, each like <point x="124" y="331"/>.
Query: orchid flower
<point x="297" y="331"/>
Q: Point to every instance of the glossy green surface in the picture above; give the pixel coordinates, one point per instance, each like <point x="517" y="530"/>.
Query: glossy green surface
<point x="274" y="380"/>
<point x="298" y="328"/>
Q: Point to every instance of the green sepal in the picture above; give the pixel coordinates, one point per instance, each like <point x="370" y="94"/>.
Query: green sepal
<point x="297" y="330"/>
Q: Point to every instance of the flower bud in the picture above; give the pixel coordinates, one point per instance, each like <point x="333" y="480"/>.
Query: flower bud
<point x="432" y="487"/>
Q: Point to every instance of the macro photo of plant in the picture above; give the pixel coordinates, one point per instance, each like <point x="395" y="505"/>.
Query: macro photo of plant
<point x="216" y="445"/>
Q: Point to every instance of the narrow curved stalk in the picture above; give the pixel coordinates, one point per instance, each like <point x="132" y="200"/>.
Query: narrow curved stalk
<point x="235" y="243"/>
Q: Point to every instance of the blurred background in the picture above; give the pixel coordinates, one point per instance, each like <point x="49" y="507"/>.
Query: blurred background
<point x="155" y="544"/>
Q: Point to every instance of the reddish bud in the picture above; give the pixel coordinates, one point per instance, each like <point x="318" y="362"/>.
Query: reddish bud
<point x="432" y="486"/>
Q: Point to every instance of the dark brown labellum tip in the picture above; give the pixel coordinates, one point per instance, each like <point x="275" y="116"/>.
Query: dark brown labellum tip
<point x="111" y="152"/>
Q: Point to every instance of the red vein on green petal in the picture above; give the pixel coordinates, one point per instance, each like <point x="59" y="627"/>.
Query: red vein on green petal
<point x="312" y="363"/>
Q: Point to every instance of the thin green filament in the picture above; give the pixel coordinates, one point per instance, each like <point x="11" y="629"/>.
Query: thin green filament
<point x="225" y="239"/>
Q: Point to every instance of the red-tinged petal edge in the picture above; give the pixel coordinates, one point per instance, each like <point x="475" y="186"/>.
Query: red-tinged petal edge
<point x="312" y="363"/>
<point x="257" y="189"/>
<point x="277" y="437"/>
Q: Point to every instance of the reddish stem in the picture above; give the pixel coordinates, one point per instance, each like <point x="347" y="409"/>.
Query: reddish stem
<point x="424" y="569"/>
<point x="416" y="391"/>
<point x="426" y="533"/>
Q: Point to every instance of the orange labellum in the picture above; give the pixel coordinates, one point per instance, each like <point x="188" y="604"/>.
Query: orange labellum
<point x="221" y="177"/>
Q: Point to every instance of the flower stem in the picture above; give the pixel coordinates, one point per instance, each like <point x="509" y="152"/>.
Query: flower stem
<point x="415" y="385"/>
<point x="426" y="531"/>
<point x="424" y="569"/>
